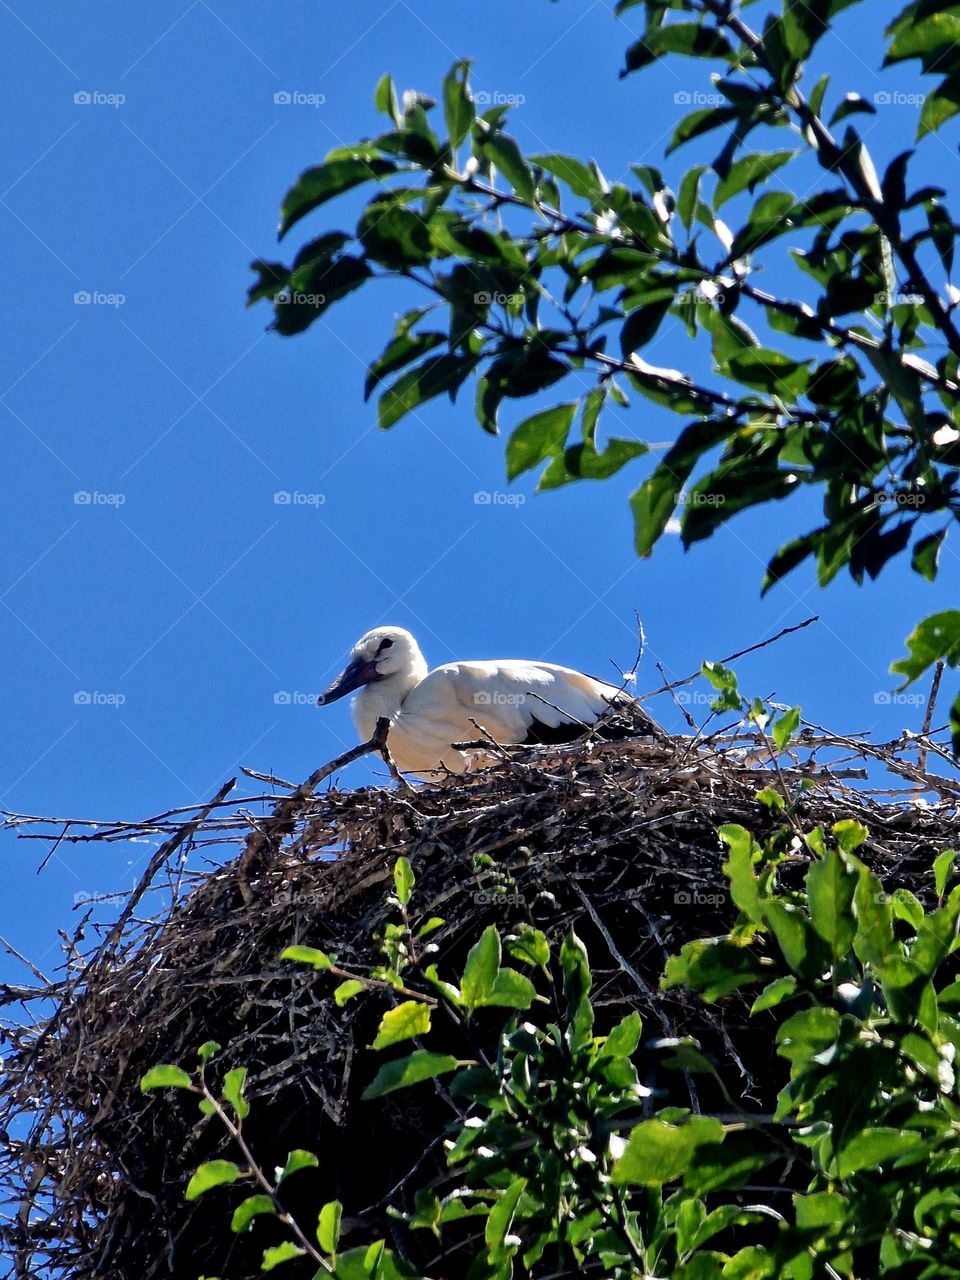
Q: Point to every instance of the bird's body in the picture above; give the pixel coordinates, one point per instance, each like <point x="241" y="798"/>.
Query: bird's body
<point x="507" y="700"/>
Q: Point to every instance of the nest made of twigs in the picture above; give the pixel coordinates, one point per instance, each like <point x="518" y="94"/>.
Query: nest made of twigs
<point x="618" y="840"/>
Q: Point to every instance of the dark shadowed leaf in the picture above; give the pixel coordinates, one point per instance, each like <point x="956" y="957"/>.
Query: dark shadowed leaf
<point x="435" y="375"/>
<point x="324" y="181"/>
<point x="420" y="1065"/>
<point x="458" y="107"/>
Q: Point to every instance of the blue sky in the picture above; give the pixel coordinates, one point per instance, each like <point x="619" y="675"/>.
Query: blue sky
<point x="179" y="622"/>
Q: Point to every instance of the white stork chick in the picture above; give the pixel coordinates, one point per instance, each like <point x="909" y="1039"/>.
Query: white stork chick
<point x="513" y="701"/>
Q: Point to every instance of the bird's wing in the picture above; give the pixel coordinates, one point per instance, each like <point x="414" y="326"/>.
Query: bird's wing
<point x="514" y="700"/>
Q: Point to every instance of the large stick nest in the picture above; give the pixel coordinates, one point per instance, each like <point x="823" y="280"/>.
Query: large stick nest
<point x="618" y="840"/>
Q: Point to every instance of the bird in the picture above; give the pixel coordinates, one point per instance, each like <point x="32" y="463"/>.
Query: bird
<point x="510" y="700"/>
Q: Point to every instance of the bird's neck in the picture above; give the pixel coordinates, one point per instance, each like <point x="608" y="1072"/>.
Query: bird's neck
<point x="384" y="698"/>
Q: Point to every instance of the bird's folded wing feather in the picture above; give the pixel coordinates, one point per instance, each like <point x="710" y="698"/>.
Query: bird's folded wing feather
<point x="513" y="700"/>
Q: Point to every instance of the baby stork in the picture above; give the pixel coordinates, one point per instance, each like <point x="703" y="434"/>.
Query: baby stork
<point x="509" y="700"/>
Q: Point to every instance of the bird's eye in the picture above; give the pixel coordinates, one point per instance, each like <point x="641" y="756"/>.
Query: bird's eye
<point x="385" y="644"/>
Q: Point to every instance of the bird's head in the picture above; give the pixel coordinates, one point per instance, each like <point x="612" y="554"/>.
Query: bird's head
<point x="382" y="652"/>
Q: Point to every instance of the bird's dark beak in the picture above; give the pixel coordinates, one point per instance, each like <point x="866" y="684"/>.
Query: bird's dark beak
<point x="360" y="672"/>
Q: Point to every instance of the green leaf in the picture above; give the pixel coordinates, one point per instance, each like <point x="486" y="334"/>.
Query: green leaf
<point x="725" y="680"/>
<point x="689" y="196"/>
<point x="208" y="1051"/>
<point x="579" y="177"/>
<point x="808" y="1033"/>
<point x="324" y="181"/>
<point x="642" y="325"/>
<point x="902" y="382"/>
<point x="402" y="350"/>
<point x="712" y="966"/>
<point x="435" y="375"/>
<point x="280" y="1253"/>
<point x="540" y="436"/>
<point x="926" y="555"/>
<point x="623" y="1039"/>
<point x="698" y="122"/>
<point x="318" y="960"/>
<point x="795" y="938"/>
<point x="412" y="1018"/>
<point x="943" y="869"/>
<point x="314" y="289"/>
<point x="273" y="277"/>
<point x="657" y="1153"/>
<point x="297" y="1159"/>
<point x="328" y="1226"/>
<point x="403" y="881"/>
<point x="347" y="990"/>
<point x="420" y="1065"/>
<point x="933" y="639"/>
<point x="749" y="172"/>
<point x="212" y="1174"/>
<point x="849" y="834"/>
<point x="768" y="219"/>
<point x="249" y="1209"/>
<point x="577" y="982"/>
<point x="531" y="946"/>
<point x="233" y="1086"/>
<point x="165" y="1076"/>
<point x="511" y="990"/>
<point x="785" y="727"/>
<point x="393" y="235"/>
<point x="688" y="38"/>
<point x="385" y="98"/>
<point x="852" y="104"/>
<point x="481" y="969"/>
<point x="744" y="887"/>
<point x="768" y="370"/>
<point x="930" y="39"/>
<point x="656" y="499"/>
<point x="499" y="1222"/>
<point x="831" y="885"/>
<point x="775" y="993"/>
<point x="874" y="942"/>
<point x="939" y="106"/>
<point x="873" y="1147"/>
<point x="458" y="106"/>
<point x="507" y="156"/>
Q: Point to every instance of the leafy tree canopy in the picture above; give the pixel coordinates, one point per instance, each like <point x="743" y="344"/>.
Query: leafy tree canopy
<point x="534" y="274"/>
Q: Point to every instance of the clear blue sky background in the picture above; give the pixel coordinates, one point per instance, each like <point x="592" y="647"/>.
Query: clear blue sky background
<point x="199" y="601"/>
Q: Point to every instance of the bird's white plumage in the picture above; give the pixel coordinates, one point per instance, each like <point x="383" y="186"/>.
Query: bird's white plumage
<point x="511" y="700"/>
